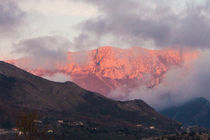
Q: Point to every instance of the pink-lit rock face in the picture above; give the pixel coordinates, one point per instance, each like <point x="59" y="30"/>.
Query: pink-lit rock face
<point x="107" y="68"/>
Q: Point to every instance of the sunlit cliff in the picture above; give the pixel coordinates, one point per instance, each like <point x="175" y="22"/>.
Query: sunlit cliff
<point x="107" y="68"/>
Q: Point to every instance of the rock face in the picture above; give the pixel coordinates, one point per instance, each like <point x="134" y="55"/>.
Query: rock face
<point x="195" y="112"/>
<point x="107" y="69"/>
<point x="22" y="91"/>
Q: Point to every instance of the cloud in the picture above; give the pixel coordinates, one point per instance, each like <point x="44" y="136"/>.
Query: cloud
<point x="179" y="85"/>
<point x="45" y="52"/>
<point x="59" y="8"/>
<point x="121" y="23"/>
<point x="59" y="77"/>
<point x="11" y="17"/>
<point x="159" y="22"/>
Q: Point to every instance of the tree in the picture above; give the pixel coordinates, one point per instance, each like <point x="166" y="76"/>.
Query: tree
<point x="26" y="124"/>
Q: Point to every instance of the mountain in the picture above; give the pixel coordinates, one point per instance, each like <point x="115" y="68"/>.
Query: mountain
<point x="182" y="136"/>
<point x="21" y="91"/>
<point x="195" y="112"/>
<point x="108" y="69"/>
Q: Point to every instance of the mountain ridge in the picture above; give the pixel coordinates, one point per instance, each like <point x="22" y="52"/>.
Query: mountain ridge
<point x="54" y="100"/>
<point x="194" y="112"/>
<point x="107" y="69"/>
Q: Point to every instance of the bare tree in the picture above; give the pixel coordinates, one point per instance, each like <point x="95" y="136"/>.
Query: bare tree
<point x="27" y="126"/>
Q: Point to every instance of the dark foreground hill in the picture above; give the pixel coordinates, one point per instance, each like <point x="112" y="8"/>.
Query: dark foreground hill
<point x="194" y="112"/>
<point x="21" y="91"/>
<point x="182" y="136"/>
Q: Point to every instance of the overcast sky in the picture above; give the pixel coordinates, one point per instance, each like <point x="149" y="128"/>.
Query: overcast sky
<point x="87" y="24"/>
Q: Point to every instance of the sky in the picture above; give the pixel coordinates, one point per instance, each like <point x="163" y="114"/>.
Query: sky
<point x="87" y="24"/>
<point x="50" y="28"/>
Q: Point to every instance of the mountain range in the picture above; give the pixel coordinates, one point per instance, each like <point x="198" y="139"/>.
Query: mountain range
<point x="21" y="91"/>
<point x="194" y="112"/>
<point x="108" y="69"/>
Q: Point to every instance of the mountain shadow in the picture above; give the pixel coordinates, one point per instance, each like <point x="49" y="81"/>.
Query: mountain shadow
<point x="194" y="112"/>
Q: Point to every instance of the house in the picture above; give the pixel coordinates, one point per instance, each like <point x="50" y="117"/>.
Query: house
<point x="37" y="121"/>
<point x="139" y="125"/>
<point x="50" y="131"/>
<point x="60" y="121"/>
<point x="152" y="127"/>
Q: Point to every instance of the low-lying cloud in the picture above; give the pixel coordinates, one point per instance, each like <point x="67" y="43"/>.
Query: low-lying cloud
<point x="45" y="52"/>
<point x="179" y="85"/>
<point x="58" y="77"/>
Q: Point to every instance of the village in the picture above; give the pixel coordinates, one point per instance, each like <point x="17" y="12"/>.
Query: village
<point x="54" y="129"/>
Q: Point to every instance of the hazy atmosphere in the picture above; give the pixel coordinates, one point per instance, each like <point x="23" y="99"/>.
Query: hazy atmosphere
<point x="42" y="34"/>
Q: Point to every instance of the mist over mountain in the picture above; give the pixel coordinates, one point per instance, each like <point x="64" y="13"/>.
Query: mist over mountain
<point x="113" y="72"/>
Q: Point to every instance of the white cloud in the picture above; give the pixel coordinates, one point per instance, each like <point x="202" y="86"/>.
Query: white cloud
<point x="58" y="77"/>
<point x="179" y="85"/>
